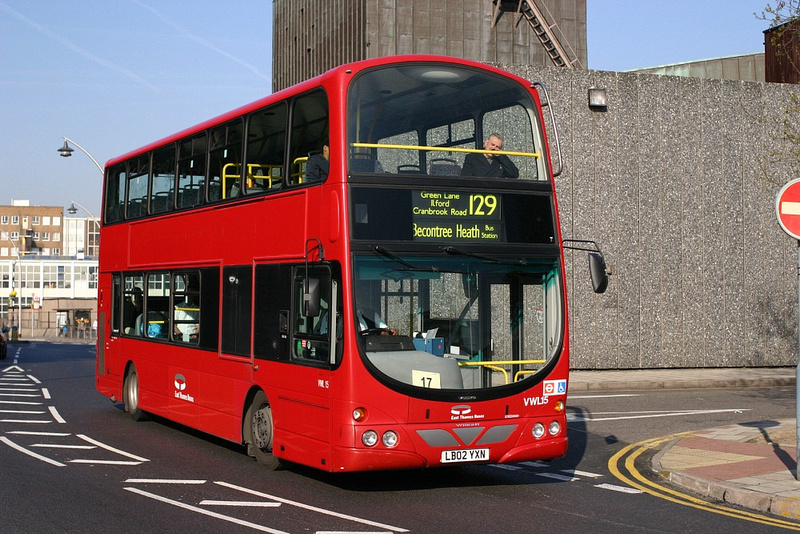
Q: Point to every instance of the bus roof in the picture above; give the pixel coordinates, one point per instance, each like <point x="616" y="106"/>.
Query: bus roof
<point x="337" y="72"/>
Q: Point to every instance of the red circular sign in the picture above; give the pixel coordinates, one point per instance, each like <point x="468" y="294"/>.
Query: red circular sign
<point x="787" y="208"/>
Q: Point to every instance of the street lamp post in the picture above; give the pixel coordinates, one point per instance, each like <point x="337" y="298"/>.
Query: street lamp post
<point x="13" y="292"/>
<point x="66" y="151"/>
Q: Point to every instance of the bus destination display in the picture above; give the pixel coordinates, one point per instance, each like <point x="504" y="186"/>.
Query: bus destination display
<point x="457" y="216"/>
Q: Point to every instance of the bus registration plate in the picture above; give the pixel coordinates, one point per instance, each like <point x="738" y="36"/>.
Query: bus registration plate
<point x="465" y="455"/>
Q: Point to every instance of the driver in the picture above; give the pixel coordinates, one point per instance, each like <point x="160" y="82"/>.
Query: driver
<point x="369" y="318"/>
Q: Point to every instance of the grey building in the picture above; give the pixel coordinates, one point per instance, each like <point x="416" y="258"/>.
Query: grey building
<point x="312" y="36"/>
<point x="676" y="177"/>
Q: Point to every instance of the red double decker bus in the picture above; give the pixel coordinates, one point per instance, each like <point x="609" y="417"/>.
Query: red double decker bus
<point x="361" y="272"/>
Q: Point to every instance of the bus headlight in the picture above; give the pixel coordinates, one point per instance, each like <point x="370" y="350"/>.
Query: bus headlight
<point x="555" y="428"/>
<point x="359" y="414"/>
<point x="369" y="438"/>
<point x="538" y="430"/>
<point x="390" y="438"/>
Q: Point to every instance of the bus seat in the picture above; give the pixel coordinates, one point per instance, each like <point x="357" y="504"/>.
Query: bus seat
<point x="410" y="168"/>
<point x="444" y="167"/>
<point x="364" y="160"/>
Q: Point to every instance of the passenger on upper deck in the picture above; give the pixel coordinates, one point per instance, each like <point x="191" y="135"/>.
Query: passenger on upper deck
<point x="318" y="164"/>
<point x="491" y="165"/>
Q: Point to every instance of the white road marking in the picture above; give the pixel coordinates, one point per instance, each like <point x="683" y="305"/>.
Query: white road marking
<point x="57" y="446"/>
<point x="535" y="464"/>
<point x="556" y="476"/>
<point x="581" y="473"/>
<point x="507" y="467"/>
<point x="571" y="397"/>
<point x="204" y="511"/>
<point x="621" y="489"/>
<point x="30" y="453"/>
<point x="253" y="504"/>
<point x="34" y="433"/>
<point x="26" y="421"/>
<point x="162" y="481"/>
<point x="56" y="415"/>
<point x="311" y="508"/>
<point x="33" y="378"/>
<point x="103" y="462"/>
<point x="646" y="415"/>
<point x="112" y="449"/>
<point x="46" y="393"/>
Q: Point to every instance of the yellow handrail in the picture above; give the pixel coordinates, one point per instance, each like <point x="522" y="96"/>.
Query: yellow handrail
<point x="447" y="149"/>
<point x="495" y="366"/>
<point x="226" y="174"/>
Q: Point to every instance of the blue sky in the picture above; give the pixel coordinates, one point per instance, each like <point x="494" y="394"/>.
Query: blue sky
<point x="114" y="75"/>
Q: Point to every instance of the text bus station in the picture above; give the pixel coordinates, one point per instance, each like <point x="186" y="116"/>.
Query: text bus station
<point x="407" y="310"/>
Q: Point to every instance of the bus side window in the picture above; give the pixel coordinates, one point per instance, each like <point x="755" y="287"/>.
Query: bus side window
<point x="154" y="322"/>
<point x="265" y="148"/>
<point x="186" y="308"/>
<point x="192" y="172"/>
<point x="138" y="176"/>
<point x="310" y="340"/>
<point x="162" y="188"/>
<point x="273" y="296"/>
<point x="225" y="161"/>
<point x="309" y="130"/>
<point x="236" y="309"/>
<point x="116" y="303"/>
<point x="115" y="194"/>
<point x="133" y="303"/>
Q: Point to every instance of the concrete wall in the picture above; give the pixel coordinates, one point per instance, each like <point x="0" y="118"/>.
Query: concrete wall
<point x="312" y="36"/>
<point x="677" y="181"/>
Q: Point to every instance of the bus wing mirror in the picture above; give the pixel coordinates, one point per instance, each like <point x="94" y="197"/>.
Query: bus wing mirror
<point x="598" y="271"/>
<point x="311" y="297"/>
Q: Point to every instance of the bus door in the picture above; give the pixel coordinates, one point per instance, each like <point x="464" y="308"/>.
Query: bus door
<point x="513" y="313"/>
<point x="297" y="326"/>
<point x="315" y="343"/>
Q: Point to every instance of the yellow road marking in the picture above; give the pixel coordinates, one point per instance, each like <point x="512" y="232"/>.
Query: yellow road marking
<point x="677" y="497"/>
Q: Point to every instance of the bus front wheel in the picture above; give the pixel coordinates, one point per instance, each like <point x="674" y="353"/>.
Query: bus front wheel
<point x="259" y="431"/>
<point x="130" y="394"/>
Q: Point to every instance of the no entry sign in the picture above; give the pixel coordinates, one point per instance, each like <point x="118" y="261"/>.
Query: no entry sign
<point x="787" y="208"/>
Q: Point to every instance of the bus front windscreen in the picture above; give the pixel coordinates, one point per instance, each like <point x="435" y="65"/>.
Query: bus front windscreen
<point x="443" y="120"/>
<point x="457" y="322"/>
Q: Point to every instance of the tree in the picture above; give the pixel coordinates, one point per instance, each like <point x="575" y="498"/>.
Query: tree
<point x="784" y="35"/>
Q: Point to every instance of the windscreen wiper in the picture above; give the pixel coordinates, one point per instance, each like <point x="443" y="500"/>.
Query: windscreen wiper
<point x="380" y="251"/>
<point x="453" y="251"/>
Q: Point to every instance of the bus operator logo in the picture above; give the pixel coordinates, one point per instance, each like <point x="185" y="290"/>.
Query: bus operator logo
<point x="461" y="409"/>
<point x="180" y="386"/>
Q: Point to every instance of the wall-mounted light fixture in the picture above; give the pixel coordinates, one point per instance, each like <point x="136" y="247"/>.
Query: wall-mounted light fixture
<point x="598" y="99"/>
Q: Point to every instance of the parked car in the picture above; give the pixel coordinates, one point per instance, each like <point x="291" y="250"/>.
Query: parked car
<point x="3" y="345"/>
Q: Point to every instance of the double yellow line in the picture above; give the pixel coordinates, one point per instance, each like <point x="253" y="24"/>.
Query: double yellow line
<point x="630" y="453"/>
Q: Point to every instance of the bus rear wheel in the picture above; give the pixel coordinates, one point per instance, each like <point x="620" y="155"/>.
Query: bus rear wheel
<point x="130" y="394"/>
<point x="259" y="429"/>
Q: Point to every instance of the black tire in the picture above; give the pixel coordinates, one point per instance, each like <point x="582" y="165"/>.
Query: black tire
<point x="130" y="394"/>
<point x="259" y="431"/>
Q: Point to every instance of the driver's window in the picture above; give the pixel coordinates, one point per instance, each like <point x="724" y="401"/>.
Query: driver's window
<point x="311" y="337"/>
